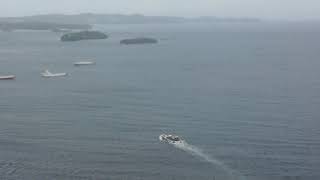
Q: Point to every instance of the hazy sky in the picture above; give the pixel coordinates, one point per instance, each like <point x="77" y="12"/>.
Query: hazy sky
<point x="271" y="9"/>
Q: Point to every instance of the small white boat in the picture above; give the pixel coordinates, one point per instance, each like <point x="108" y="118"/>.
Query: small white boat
<point x="49" y="74"/>
<point x="83" y="63"/>
<point x="8" y="77"/>
<point x="171" y="139"/>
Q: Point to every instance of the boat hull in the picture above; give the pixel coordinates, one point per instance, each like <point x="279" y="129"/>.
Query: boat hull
<point x="54" y="75"/>
<point x="10" y="77"/>
<point x="83" y="63"/>
<point x="166" y="138"/>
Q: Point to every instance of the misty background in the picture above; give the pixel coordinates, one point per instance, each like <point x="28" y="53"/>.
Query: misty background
<point x="265" y="9"/>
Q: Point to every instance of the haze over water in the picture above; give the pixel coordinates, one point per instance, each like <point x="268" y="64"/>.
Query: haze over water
<point x="246" y="95"/>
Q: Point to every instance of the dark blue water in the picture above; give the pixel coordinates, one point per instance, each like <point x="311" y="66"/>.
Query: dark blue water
<point x="245" y="97"/>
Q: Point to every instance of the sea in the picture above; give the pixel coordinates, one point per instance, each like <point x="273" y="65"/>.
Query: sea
<point x="244" y="97"/>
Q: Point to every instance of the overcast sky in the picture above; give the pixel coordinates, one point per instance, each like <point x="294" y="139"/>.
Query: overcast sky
<point x="270" y="9"/>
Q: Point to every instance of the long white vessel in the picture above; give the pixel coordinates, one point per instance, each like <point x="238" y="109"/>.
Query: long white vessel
<point x="46" y="73"/>
<point x="83" y="63"/>
<point x="8" y="77"/>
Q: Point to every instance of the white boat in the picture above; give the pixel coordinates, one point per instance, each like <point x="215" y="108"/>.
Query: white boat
<point x="46" y="73"/>
<point x="83" y="63"/>
<point x="171" y="139"/>
<point x="8" y="77"/>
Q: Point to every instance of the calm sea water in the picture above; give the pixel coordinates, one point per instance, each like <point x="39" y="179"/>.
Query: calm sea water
<point x="245" y="97"/>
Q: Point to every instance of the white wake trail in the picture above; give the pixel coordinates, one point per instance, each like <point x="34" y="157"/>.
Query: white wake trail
<point x="222" y="170"/>
<point x="195" y="151"/>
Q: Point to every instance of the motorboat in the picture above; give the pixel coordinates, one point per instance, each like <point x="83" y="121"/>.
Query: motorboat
<point x="168" y="138"/>
<point x="83" y="63"/>
<point x="46" y="73"/>
<point x="8" y="77"/>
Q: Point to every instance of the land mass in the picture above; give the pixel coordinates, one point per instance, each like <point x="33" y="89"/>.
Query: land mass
<point x="83" y="35"/>
<point x="90" y="18"/>
<point x="142" y="40"/>
<point x="32" y="25"/>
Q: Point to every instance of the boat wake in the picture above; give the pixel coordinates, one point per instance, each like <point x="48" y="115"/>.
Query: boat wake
<point x="221" y="170"/>
<point x="195" y="151"/>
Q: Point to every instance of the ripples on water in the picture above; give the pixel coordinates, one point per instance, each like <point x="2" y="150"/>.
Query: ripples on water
<point x="247" y="95"/>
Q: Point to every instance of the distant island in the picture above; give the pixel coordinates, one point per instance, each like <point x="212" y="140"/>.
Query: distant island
<point x="85" y="20"/>
<point x="33" y="25"/>
<point x="142" y="40"/>
<point x="83" y="35"/>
